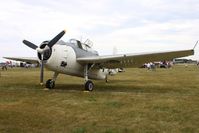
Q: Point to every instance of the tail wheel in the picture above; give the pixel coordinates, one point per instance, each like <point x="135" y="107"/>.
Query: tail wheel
<point x="89" y="86"/>
<point x="50" y="84"/>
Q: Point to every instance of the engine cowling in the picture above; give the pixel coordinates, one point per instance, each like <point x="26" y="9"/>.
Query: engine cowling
<point x="47" y="54"/>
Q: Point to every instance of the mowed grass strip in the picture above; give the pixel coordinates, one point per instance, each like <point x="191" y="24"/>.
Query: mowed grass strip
<point x="138" y="100"/>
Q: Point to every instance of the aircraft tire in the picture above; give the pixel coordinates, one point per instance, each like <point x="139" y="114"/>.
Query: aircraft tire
<point x="50" y="84"/>
<point x="89" y="85"/>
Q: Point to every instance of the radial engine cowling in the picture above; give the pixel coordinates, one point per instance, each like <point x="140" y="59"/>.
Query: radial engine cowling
<point x="47" y="53"/>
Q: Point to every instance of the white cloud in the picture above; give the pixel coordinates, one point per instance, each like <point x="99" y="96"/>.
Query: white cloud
<point x="130" y="25"/>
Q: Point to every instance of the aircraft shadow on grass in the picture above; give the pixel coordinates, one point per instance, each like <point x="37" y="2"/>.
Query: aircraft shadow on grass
<point x="111" y="87"/>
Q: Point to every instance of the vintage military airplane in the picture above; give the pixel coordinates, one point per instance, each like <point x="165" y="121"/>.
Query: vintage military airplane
<point x="79" y="59"/>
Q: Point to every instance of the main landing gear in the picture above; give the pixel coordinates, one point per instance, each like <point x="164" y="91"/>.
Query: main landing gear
<point x="89" y="86"/>
<point x="50" y="83"/>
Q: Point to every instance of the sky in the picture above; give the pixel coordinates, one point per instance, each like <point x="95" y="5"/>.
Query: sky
<point x="131" y="26"/>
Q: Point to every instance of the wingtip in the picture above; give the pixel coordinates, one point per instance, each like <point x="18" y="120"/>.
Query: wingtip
<point x="195" y="45"/>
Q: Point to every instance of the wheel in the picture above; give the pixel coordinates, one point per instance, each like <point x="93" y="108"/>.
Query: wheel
<point x="50" y="84"/>
<point x="89" y="85"/>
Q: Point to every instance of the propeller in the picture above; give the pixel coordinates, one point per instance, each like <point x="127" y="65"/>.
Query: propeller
<point x="41" y="50"/>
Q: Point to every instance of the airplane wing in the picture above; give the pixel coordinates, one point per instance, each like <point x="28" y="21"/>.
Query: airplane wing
<point x="24" y="59"/>
<point x="132" y="60"/>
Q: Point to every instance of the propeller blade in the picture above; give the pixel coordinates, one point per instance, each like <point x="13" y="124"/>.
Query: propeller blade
<point x="42" y="70"/>
<point x="56" y="39"/>
<point x="29" y="44"/>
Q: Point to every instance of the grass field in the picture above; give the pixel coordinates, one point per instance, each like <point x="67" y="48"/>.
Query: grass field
<point x="165" y="100"/>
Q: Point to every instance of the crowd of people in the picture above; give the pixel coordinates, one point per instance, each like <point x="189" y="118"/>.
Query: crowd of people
<point x="154" y="65"/>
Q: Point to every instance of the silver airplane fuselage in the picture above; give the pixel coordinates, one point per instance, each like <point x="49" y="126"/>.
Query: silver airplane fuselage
<point x="63" y="60"/>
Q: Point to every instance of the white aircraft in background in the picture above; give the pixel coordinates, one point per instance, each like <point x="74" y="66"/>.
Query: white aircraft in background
<point x="79" y="59"/>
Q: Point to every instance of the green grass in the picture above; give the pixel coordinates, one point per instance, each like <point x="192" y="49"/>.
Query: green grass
<point x="138" y="100"/>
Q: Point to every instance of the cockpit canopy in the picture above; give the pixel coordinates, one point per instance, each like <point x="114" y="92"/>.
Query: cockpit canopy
<point x="87" y="45"/>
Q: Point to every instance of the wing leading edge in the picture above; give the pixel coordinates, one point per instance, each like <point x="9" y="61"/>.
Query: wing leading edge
<point x="133" y="60"/>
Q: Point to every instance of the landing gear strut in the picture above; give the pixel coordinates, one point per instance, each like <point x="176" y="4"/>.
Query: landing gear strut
<point x="50" y="83"/>
<point x="88" y="83"/>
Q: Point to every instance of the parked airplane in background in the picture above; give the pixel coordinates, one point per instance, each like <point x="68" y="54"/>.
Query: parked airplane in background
<point x="79" y="59"/>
